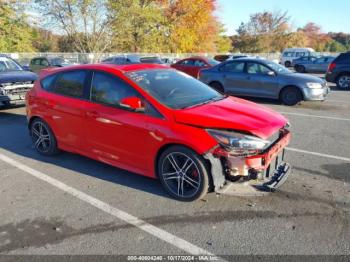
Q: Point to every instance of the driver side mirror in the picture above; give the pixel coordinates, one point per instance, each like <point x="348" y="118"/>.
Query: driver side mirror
<point x="134" y="103"/>
<point x="271" y="73"/>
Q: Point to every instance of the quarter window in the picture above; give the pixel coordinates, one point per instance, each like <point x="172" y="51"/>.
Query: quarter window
<point x="70" y="84"/>
<point x="108" y="89"/>
<point x="187" y="62"/>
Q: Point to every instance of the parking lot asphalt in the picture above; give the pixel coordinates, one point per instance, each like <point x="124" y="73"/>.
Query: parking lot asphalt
<point x="69" y="204"/>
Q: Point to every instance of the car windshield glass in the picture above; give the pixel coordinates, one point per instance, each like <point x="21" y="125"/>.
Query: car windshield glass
<point x="278" y="68"/>
<point x="212" y="62"/>
<point x="7" y="64"/>
<point x="174" y="89"/>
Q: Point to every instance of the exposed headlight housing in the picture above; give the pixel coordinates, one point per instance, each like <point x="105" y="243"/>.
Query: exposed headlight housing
<point x="239" y="144"/>
<point x="314" y="85"/>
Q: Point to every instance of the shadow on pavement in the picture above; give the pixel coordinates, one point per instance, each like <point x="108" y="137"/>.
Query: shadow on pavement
<point x="14" y="137"/>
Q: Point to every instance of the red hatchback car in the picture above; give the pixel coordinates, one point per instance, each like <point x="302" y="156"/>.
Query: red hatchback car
<point x="193" y="65"/>
<point x="160" y="123"/>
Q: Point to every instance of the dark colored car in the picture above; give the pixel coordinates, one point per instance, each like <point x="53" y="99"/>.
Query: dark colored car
<point x="318" y="65"/>
<point x="339" y="71"/>
<point x="122" y="60"/>
<point x="39" y="63"/>
<point x="14" y="81"/>
<point x="160" y="123"/>
<point x="193" y="65"/>
<point x="263" y="78"/>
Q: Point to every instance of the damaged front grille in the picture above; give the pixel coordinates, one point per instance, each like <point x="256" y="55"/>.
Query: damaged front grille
<point x="15" y="88"/>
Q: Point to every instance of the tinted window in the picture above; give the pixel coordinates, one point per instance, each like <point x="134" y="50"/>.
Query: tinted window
<point x="70" y="83"/>
<point x="47" y="82"/>
<point x="255" y="68"/>
<point x="188" y="62"/>
<point x="44" y="62"/>
<point x="108" y="89"/>
<point x="236" y="67"/>
<point x="199" y="63"/>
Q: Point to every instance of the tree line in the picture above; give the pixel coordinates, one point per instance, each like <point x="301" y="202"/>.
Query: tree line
<point x="155" y="26"/>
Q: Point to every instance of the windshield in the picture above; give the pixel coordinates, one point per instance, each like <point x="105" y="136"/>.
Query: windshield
<point x="7" y="64"/>
<point x="278" y="68"/>
<point x="174" y="89"/>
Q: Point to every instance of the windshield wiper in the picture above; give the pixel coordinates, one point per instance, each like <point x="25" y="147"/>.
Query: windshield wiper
<point x="206" y="101"/>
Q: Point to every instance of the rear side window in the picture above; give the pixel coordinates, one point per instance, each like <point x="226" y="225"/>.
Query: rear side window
<point x="47" y="82"/>
<point x="109" y="90"/>
<point x="70" y="84"/>
<point x="189" y="62"/>
<point x="236" y="67"/>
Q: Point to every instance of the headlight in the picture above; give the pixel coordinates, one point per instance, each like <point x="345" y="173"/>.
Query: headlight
<point x="314" y="85"/>
<point x="239" y="144"/>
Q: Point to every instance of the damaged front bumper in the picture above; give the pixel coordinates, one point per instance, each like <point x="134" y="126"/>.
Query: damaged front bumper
<point x="250" y="175"/>
<point x="14" y="93"/>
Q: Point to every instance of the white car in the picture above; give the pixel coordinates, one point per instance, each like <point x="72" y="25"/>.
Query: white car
<point x="289" y="54"/>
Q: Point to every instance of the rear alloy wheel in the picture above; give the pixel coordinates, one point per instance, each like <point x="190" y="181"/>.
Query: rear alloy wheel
<point x="343" y="82"/>
<point x="43" y="138"/>
<point x="218" y="87"/>
<point x="183" y="173"/>
<point x="290" y="96"/>
<point x="287" y="64"/>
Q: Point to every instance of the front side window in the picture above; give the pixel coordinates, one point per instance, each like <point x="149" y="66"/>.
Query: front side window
<point x="70" y="83"/>
<point x="257" y="69"/>
<point x="174" y="89"/>
<point x="234" y="67"/>
<point x="110" y="90"/>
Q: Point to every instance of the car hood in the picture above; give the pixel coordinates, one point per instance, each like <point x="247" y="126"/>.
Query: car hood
<point x="17" y="76"/>
<point x="235" y="114"/>
<point x="303" y="77"/>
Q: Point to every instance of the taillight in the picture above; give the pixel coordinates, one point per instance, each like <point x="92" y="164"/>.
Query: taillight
<point x="331" y="67"/>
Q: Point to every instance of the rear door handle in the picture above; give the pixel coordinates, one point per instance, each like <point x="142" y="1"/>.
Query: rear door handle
<point x="92" y="114"/>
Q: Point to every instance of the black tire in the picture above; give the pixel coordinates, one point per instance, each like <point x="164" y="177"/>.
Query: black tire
<point x="290" y="96"/>
<point x="300" y="69"/>
<point x="218" y="87"/>
<point x="43" y="138"/>
<point x="343" y="82"/>
<point x="183" y="173"/>
<point x="287" y="64"/>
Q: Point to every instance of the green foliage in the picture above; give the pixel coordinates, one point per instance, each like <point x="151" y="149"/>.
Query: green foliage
<point x="15" y="34"/>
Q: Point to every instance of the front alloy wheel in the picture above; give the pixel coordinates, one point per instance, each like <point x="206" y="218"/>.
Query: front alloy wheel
<point x="344" y="82"/>
<point x="183" y="173"/>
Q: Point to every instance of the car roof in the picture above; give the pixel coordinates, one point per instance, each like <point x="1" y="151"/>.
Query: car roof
<point x="108" y="67"/>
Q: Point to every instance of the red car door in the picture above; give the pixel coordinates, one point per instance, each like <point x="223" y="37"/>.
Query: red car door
<point x="186" y="66"/>
<point x="64" y="106"/>
<point x="117" y="135"/>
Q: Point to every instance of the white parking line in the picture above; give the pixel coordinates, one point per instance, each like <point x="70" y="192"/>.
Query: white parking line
<point x="318" y="154"/>
<point x="316" y="116"/>
<point x="130" y="219"/>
